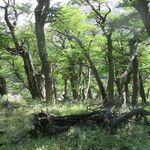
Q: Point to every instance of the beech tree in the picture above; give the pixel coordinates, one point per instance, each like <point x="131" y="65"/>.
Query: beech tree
<point x="18" y="49"/>
<point x="41" y="13"/>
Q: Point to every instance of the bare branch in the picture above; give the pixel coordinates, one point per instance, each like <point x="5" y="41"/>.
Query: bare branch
<point x="95" y="10"/>
<point x="7" y="3"/>
<point x="100" y="18"/>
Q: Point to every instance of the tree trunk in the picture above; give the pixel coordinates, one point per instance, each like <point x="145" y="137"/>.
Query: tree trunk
<point x="126" y="83"/>
<point x="121" y="92"/>
<point x="54" y="88"/>
<point x="135" y="87"/>
<point x="65" y="89"/>
<point x="41" y="12"/>
<point x="3" y="89"/>
<point x="143" y="9"/>
<point x="127" y="95"/>
<point x="147" y="94"/>
<point x="135" y="71"/>
<point x="110" y="84"/>
<point x="142" y="91"/>
<point x="88" y="90"/>
<point x="35" y="86"/>
<point x="74" y="81"/>
<point x="98" y="80"/>
<point x="89" y="94"/>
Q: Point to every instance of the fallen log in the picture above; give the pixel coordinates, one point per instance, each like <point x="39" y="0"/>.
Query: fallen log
<point x="135" y="112"/>
<point x="48" y="124"/>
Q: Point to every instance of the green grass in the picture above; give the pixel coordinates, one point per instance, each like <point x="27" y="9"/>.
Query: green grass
<point x="19" y="121"/>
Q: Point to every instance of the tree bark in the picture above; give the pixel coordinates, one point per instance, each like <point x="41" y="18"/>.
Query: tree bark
<point x="46" y="124"/>
<point x="121" y="91"/>
<point x="35" y="86"/>
<point x="135" y="71"/>
<point x="65" y="88"/>
<point x="54" y="88"/>
<point x="73" y="80"/>
<point x="143" y="9"/>
<point x="110" y="84"/>
<point x="88" y="90"/>
<point x="41" y="12"/>
<point x="97" y="77"/>
<point x="3" y="89"/>
<point x="142" y="90"/>
<point x="135" y="86"/>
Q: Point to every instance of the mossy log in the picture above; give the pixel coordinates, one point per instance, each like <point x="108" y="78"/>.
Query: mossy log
<point x="48" y="124"/>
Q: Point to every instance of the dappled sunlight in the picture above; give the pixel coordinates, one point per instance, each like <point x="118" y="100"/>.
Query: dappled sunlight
<point x="74" y="75"/>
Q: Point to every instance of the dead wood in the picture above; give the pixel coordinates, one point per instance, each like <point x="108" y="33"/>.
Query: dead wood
<point x="48" y="124"/>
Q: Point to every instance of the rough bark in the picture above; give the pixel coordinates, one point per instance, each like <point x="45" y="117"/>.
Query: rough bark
<point x="41" y="12"/>
<point x="142" y="90"/>
<point x="127" y="95"/>
<point x="121" y="91"/>
<point x="45" y="124"/>
<point x="126" y="83"/>
<point x="110" y="84"/>
<point x="35" y="86"/>
<point x="135" y="71"/>
<point x="3" y="89"/>
<point x="135" y="86"/>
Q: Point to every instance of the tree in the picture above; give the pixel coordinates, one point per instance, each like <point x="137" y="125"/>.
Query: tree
<point x="142" y="6"/>
<point x="33" y="83"/>
<point x="83" y="48"/>
<point x="41" y="13"/>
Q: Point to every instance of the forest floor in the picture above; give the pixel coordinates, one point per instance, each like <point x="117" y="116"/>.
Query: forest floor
<point x="15" y="122"/>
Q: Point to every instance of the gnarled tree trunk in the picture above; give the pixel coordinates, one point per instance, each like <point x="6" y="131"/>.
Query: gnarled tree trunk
<point x="33" y="84"/>
<point x="41" y="12"/>
<point x="135" y="71"/>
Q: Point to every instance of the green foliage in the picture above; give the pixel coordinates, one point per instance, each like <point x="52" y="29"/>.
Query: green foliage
<point x="5" y="39"/>
<point x="18" y="122"/>
<point x="128" y="3"/>
<point x="24" y="8"/>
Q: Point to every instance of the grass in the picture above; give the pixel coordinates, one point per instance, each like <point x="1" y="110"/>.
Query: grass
<point x="18" y="121"/>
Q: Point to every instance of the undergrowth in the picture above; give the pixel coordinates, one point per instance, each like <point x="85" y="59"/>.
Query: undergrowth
<point x="16" y="122"/>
